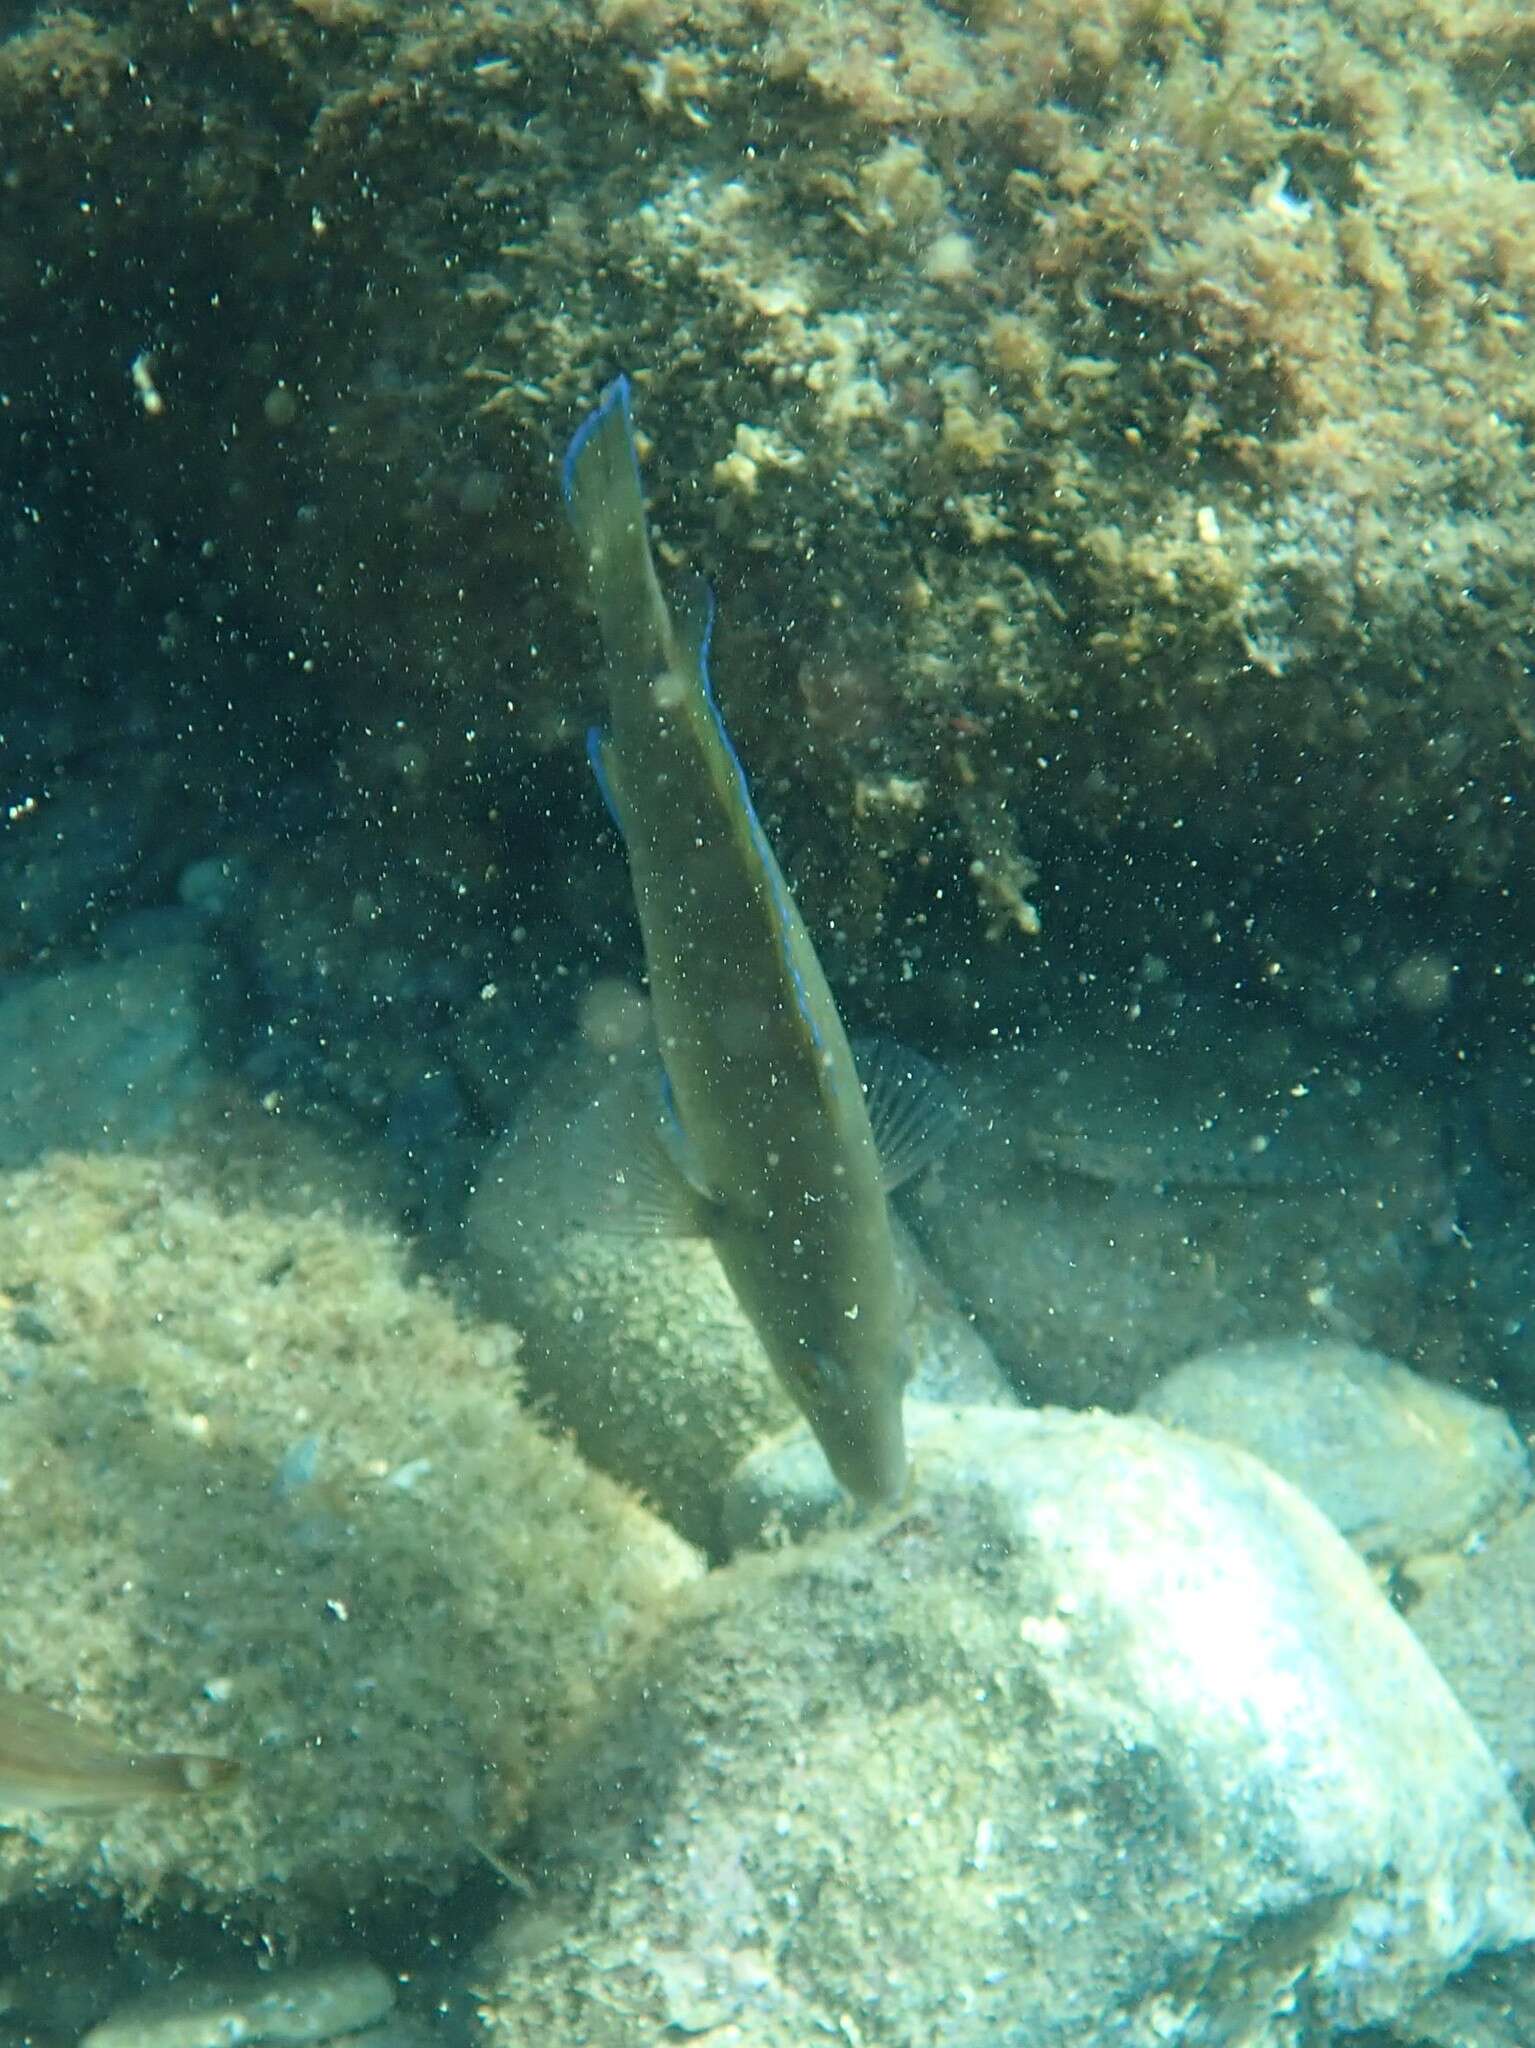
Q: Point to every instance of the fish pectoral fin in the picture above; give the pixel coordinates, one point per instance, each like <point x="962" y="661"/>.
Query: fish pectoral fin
<point x="913" y="1111"/>
<point x="658" y="1196"/>
<point x="621" y="1170"/>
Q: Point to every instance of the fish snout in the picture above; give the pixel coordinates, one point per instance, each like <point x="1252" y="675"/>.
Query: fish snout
<point x="860" y="1429"/>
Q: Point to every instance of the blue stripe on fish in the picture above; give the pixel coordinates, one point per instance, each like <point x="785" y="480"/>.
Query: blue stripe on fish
<point x="754" y="823"/>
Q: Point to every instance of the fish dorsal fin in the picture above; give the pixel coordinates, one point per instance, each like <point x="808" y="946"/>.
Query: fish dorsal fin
<point x="912" y="1109"/>
<point x="693" y="611"/>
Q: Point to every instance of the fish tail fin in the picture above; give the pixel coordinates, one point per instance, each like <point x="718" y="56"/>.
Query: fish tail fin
<point x="49" y="1760"/>
<point x="601" y="471"/>
<point x="606" y="504"/>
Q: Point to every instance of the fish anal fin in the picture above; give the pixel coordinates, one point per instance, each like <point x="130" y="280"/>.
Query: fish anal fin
<point x="913" y="1111"/>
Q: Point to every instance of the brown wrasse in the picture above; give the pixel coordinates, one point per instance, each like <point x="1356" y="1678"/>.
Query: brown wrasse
<point x="768" y="1140"/>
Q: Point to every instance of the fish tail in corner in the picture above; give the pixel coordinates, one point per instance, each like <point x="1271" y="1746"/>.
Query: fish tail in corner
<point x="172" y="1774"/>
<point x="606" y="504"/>
<point x="50" y="1762"/>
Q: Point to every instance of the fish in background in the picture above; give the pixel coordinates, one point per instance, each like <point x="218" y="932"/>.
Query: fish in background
<point x="51" y="1763"/>
<point x="765" y="1139"/>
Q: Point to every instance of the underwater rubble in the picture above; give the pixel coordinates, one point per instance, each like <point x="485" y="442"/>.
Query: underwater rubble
<point x="1104" y="1695"/>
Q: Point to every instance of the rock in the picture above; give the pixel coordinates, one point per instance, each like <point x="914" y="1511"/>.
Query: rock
<point x="1400" y="1464"/>
<point x="101" y="1055"/>
<point x="1491" y="2006"/>
<point x="783" y="1490"/>
<point x="1121" y="1203"/>
<point x="288" y="2006"/>
<point x="261" y="1495"/>
<point x="635" y="1340"/>
<point x="1107" y="1735"/>
<point x="953" y="1361"/>
<point x="1477" y="1622"/>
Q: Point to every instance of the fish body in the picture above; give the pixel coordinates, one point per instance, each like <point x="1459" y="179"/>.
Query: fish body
<point x="767" y="1127"/>
<point x="50" y="1763"/>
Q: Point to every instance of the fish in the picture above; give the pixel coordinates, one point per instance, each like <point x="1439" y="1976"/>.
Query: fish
<point x="51" y="1763"/>
<point x="765" y="1141"/>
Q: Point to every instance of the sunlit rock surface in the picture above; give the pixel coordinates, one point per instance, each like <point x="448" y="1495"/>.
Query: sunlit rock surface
<point x="1107" y="1735"/>
<point x="1399" y="1464"/>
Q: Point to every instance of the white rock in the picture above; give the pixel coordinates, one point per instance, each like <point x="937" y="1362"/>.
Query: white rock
<point x="290" y="2006"/>
<point x="1400" y="1464"/>
<point x="1106" y="1736"/>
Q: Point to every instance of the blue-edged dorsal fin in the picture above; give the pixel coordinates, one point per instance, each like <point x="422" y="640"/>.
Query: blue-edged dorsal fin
<point x="693" y="610"/>
<point x="912" y="1109"/>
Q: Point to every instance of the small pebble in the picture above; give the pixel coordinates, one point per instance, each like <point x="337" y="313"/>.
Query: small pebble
<point x="293" y="2006"/>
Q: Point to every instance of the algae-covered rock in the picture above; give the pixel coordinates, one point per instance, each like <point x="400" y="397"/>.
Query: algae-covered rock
<point x="1491" y="2006"/>
<point x="1106" y="1735"/>
<point x="261" y="1496"/>
<point x="1088" y="414"/>
<point x="1399" y="1464"/>
<point x="634" y="1337"/>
